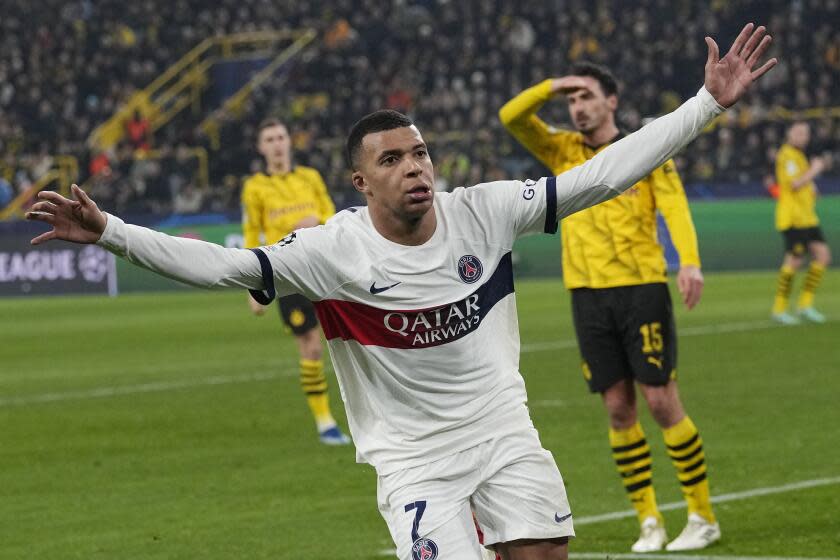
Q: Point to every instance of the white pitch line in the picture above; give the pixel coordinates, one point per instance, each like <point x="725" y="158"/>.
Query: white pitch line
<point x="162" y="386"/>
<point x="657" y="556"/>
<point x="731" y="497"/>
<point x="154" y="387"/>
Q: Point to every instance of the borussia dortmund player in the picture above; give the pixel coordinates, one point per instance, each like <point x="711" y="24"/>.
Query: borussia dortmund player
<point x="613" y="264"/>
<point x="286" y="198"/>
<point x="797" y="219"/>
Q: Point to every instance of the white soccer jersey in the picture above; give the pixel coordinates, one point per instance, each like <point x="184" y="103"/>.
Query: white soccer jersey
<point x="424" y="339"/>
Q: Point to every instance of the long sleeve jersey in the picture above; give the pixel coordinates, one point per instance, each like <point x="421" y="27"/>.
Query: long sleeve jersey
<point x="424" y="339"/>
<point x="614" y="243"/>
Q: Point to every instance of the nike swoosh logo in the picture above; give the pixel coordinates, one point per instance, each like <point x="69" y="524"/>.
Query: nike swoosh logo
<point x="374" y="290"/>
<point x="559" y="519"/>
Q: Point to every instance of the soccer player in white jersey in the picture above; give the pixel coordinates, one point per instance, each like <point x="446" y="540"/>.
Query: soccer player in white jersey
<point x="415" y="295"/>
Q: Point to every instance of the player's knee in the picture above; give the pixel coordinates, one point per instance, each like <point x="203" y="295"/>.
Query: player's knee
<point x="310" y="345"/>
<point x="825" y="257"/>
<point x="664" y="406"/>
<point x="793" y="262"/>
<point x="622" y="415"/>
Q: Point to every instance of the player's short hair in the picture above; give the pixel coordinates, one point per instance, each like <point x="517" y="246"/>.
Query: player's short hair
<point x="385" y="119"/>
<point x="268" y="123"/>
<point x="600" y="73"/>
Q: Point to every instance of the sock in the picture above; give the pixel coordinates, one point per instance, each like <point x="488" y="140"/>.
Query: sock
<point x="783" y="286"/>
<point x="685" y="446"/>
<point x="315" y="387"/>
<point x="812" y="280"/>
<point x="632" y="458"/>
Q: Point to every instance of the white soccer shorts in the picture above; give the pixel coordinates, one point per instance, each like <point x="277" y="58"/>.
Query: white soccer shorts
<point x="511" y="483"/>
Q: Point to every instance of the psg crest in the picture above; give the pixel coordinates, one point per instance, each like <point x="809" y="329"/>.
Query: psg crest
<point x="469" y="268"/>
<point x="424" y="549"/>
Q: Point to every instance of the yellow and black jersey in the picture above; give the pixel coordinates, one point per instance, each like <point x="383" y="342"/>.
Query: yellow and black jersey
<point x="272" y="205"/>
<point x="795" y="208"/>
<point x="613" y="243"/>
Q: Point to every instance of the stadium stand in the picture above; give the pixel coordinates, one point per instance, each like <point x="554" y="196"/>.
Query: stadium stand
<point x="70" y="69"/>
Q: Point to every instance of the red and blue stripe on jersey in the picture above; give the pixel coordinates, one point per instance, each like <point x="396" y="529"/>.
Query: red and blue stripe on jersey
<point x="415" y="328"/>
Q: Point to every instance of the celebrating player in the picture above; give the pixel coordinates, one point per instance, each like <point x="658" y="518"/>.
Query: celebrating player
<point x="797" y="219"/>
<point x="274" y="204"/>
<point x="613" y="264"/>
<point x="415" y="295"/>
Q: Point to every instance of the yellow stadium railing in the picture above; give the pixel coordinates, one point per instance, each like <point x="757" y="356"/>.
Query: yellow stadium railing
<point x="182" y="84"/>
<point x="65" y="171"/>
<point x="235" y="104"/>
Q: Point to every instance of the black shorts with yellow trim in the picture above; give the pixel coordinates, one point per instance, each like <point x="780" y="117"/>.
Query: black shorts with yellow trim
<point x="797" y="239"/>
<point x="626" y="332"/>
<point x="298" y="313"/>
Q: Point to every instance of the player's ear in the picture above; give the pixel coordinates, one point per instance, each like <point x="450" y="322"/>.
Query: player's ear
<point x="359" y="182"/>
<point x="612" y="102"/>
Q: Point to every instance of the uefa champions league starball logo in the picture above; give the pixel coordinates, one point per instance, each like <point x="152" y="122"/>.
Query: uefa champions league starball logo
<point x="93" y="263"/>
<point x="469" y="268"/>
<point x="424" y="549"/>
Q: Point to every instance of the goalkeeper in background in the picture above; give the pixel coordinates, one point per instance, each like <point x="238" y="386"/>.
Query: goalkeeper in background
<point x="274" y="204"/>
<point x="614" y="266"/>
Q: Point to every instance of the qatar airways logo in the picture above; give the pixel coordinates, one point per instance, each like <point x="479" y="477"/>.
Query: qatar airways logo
<point x="436" y="325"/>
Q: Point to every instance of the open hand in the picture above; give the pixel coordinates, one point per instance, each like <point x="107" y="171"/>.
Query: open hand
<point x="80" y="220"/>
<point x="728" y="78"/>
<point x="690" y="284"/>
<point x="568" y="84"/>
<point x="818" y="165"/>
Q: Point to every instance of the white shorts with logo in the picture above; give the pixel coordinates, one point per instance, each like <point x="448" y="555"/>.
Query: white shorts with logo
<point x="511" y="483"/>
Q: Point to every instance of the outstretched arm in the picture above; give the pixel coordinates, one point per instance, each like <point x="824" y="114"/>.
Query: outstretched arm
<point x="197" y="263"/>
<point x="625" y="162"/>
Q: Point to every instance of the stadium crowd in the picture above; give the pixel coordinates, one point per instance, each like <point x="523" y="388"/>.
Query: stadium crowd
<point x="67" y="65"/>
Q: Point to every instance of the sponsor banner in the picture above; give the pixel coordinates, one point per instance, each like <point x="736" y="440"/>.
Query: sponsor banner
<point x="56" y="267"/>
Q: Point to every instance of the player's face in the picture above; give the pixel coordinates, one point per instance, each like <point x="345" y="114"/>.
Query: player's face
<point x="275" y="145"/>
<point x="395" y="173"/>
<point x="590" y="108"/>
<point x="800" y="135"/>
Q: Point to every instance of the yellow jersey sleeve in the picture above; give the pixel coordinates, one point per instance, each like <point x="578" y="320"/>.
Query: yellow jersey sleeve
<point x="519" y="117"/>
<point x="252" y="213"/>
<point x="672" y="203"/>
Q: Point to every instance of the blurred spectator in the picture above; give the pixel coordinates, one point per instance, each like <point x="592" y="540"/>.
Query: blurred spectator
<point x="451" y="65"/>
<point x="138" y="132"/>
<point x="188" y="200"/>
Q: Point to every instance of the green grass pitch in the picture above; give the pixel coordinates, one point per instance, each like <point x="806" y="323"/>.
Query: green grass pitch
<point x="172" y="426"/>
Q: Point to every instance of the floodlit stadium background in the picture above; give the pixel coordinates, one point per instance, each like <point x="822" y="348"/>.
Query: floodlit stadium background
<point x="167" y="423"/>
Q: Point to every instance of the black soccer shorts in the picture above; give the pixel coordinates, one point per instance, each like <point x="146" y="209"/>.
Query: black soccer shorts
<point x="298" y="313"/>
<point x="797" y="239"/>
<point x="627" y="332"/>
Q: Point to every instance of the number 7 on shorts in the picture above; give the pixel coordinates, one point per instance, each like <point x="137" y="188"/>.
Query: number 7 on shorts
<point x="419" y="507"/>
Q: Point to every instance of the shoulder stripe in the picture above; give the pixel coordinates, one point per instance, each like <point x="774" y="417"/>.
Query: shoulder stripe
<point x="551" y="205"/>
<point x="265" y="296"/>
